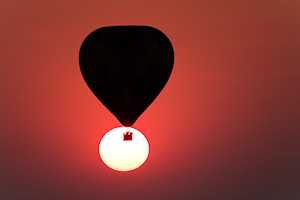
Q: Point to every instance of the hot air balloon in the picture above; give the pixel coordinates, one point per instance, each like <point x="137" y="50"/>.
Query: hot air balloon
<point x="126" y="67"/>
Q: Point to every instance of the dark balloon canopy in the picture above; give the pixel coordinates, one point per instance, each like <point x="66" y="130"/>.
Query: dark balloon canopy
<point x="126" y="67"/>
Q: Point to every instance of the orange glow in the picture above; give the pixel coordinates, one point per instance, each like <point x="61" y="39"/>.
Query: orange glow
<point x="123" y="155"/>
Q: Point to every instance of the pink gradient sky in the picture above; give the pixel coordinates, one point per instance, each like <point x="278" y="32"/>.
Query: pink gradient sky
<point x="225" y="127"/>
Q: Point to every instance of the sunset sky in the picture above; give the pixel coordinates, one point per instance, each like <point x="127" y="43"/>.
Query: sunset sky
<point x="225" y="127"/>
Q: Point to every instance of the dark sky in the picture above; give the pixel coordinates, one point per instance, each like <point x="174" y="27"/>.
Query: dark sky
<point x="225" y="127"/>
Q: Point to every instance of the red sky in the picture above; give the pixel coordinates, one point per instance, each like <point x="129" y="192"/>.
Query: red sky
<point x="225" y="127"/>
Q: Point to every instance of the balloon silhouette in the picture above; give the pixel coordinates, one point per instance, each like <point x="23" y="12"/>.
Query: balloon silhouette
<point x="126" y="67"/>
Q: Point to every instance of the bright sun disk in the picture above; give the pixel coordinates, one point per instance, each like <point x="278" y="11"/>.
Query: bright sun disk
<point x="124" y="153"/>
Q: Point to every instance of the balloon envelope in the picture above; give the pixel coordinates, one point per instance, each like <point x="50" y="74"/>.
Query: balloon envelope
<point x="126" y="67"/>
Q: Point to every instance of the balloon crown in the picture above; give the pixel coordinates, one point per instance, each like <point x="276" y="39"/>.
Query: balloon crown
<point x="127" y="136"/>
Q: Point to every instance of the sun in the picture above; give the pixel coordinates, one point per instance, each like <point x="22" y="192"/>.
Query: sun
<point x="124" y="149"/>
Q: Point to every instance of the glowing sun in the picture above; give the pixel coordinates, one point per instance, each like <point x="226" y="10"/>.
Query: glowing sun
<point x="124" y="149"/>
